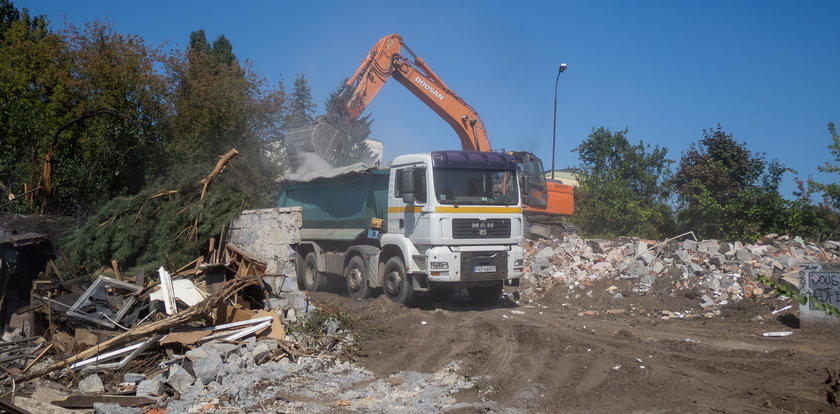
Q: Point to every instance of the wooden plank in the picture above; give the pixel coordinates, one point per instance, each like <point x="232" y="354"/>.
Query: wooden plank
<point x="116" y="267"/>
<point x="87" y="401"/>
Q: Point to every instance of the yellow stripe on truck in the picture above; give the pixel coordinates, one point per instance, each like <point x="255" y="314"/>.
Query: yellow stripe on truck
<point x="404" y="209"/>
<point x="473" y="210"/>
<point x="467" y="210"/>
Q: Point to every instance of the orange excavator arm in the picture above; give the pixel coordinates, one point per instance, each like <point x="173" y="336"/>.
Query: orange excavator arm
<point x="384" y="61"/>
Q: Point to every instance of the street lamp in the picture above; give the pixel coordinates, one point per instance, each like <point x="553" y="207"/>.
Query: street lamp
<point x="554" y="131"/>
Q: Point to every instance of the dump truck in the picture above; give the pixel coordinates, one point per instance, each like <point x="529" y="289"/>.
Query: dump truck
<point x="546" y="203"/>
<point x="432" y="222"/>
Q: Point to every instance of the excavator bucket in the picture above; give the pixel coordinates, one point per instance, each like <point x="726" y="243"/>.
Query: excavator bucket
<point x="321" y="138"/>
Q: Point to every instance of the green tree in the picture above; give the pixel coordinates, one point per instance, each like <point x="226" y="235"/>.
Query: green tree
<point x="220" y="104"/>
<point x="116" y="153"/>
<point x="623" y="188"/>
<point x="212" y="103"/>
<point x="36" y="97"/>
<point x="300" y="109"/>
<point x="353" y="149"/>
<point x="728" y="192"/>
<point x="10" y="14"/>
<point x="831" y="191"/>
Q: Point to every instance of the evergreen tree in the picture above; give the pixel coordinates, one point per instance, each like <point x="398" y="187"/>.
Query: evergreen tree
<point x="222" y="51"/>
<point x="198" y="41"/>
<point x="353" y="149"/>
<point x="300" y="109"/>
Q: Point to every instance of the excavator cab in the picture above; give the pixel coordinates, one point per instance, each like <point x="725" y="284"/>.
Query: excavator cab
<point x="531" y="179"/>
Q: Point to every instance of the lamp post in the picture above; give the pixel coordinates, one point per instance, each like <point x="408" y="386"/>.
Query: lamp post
<point x="554" y="131"/>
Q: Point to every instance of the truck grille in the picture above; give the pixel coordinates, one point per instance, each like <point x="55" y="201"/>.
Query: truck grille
<point x="480" y="229"/>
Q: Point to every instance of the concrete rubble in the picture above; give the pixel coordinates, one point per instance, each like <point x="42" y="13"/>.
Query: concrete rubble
<point x="719" y="273"/>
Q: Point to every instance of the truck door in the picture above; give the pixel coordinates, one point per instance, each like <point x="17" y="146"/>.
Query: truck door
<point x="531" y="179"/>
<point x="409" y="218"/>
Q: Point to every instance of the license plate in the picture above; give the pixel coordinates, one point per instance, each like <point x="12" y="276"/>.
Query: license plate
<point x="484" y="269"/>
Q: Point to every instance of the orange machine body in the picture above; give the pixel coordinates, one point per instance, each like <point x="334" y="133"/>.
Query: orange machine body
<point x="386" y="60"/>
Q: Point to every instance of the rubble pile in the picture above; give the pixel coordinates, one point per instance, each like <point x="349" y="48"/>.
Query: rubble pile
<point x="132" y="341"/>
<point x="717" y="273"/>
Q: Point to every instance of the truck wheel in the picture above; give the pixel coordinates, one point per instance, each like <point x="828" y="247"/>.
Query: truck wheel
<point x="486" y="295"/>
<point x="313" y="280"/>
<point x="397" y="285"/>
<point x="356" y="278"/>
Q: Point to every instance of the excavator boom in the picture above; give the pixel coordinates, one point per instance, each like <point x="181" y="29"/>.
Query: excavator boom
<point x="387" y="59"/>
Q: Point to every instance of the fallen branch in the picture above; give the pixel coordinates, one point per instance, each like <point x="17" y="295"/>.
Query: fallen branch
<point x="163" y="193"/>
<point x="220" y="165"/>
<point x="216" y="170"/>
<point x="140" y="332"/>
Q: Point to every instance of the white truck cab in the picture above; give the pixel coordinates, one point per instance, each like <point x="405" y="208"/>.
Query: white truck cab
<point x="457" y="219"/>
<point x="435" y="222"/>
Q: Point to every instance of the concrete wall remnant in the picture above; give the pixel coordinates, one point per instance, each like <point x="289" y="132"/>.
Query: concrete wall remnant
<point x="266" y="234"/>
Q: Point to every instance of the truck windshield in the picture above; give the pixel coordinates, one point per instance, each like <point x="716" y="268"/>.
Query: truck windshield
<point x="474" y="186"/>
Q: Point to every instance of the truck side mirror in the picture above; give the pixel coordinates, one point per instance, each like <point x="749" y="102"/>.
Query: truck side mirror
<point x="407" y="177"/>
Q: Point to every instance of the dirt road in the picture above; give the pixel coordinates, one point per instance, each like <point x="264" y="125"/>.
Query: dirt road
<point x="543" y="356"/>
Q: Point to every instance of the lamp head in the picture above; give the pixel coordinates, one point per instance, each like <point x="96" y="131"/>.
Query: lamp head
<point x="562" y="67"/>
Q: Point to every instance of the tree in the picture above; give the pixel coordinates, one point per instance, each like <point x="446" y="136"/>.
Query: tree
<point x="220" y="104"/>
<point x="35" y="96"/>
<point x="9" y="14"/>
<point x="212" y="104"/>
<point x="120" y="152"/>
<point x="831" y="191"/>
<point x="300" y="108"/>
<point x="353" y="149"/>
<point x="726" y="191"/>
<point x="623" y="188"/>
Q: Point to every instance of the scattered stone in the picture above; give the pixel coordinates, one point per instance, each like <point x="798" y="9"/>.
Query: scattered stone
<point x="150" y="387"/>
<point x="92" y="384"/>
<point x="132" y="377"/>
<point x="179" y="379"/>
<point x="112" y="408"/>
<point x="206" y="364"/>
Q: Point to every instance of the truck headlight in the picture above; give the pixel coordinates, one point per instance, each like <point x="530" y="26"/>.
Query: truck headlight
<point x="438" y="265"/>
<point x="518" y="262"/>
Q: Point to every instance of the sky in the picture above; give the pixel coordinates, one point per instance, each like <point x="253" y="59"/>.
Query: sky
<point x="767" y="71"/>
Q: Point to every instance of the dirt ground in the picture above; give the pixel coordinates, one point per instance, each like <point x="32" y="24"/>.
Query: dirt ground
<point x="544" y="354"/>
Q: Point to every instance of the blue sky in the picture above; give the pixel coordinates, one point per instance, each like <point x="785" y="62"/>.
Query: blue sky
<point x="767" y="71"/>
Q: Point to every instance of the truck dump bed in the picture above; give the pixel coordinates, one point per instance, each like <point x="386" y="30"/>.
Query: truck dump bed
<point x="339" y="207"/>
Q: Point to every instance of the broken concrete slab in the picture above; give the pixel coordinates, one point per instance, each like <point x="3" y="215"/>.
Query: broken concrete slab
<point x="207" y="364"/>
<point x="150" y="388"/>
<point x="179" y="379"/>
<point x="91" y="384"/>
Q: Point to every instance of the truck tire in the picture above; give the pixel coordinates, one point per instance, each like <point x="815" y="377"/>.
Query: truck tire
<point x="356" y="278"/>
<point x="313" y="280"/>
<point x="397" y="286"/>
<point x="486" y="295"/>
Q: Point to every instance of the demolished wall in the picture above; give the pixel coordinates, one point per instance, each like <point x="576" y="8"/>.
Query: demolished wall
<point x="266" y="235"/>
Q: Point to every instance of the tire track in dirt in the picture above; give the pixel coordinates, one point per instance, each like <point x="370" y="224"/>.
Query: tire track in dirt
<point x="550" y="360"/>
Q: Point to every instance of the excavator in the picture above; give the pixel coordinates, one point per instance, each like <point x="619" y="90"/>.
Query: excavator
<point x="545" y="202"/>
